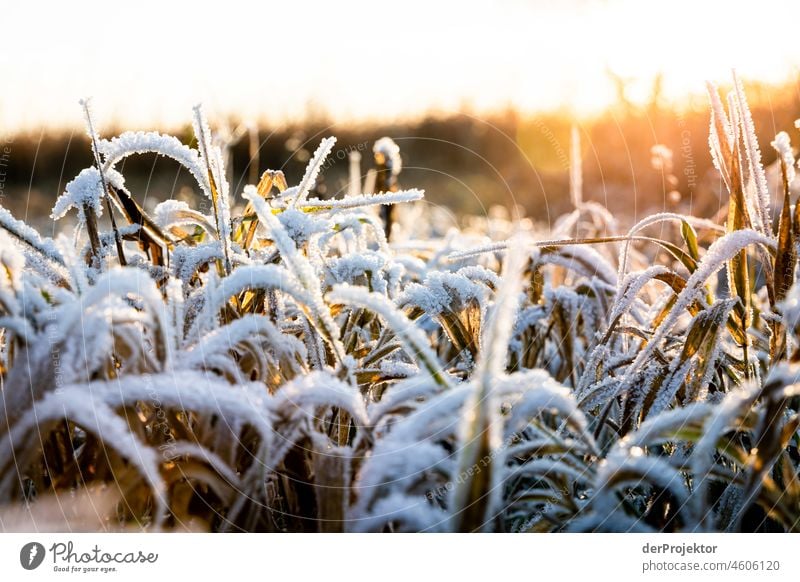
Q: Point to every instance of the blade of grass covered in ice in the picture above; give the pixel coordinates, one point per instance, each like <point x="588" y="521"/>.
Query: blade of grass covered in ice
<point x="753" y="157"/>
<point x="475" y="496"/>
<point x="718" y="254"/>
<point x="739" y="218"/>
<point x="129" y="143"/>
<point x="744" y="211"/>
<point x="117" y="149"/>
<point x="98" y="419"/>
<point x="720" y="135"/>
<point x="689" y="373"/>
<point x="313" y="169"/>
<point x="786" y="255"/>
<point x="41" y="253"/>
<point x="302" y="269"/>
<point x="413" y="338"/>
<point x="679" y="254"/>
<point x="216" y="180"/>
<point x="96" y="152"/>
<point x="690" y="222"/>
<point x="249" y="277"/>
<point x="363" y="200"/>
<point x="177" y="213"/>
<point x="85" y="193"/>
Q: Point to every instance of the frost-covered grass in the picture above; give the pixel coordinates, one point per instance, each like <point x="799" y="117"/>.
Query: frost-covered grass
<point x="284" y="365"/>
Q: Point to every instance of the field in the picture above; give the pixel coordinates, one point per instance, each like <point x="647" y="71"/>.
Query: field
<point x="298" y="363"/>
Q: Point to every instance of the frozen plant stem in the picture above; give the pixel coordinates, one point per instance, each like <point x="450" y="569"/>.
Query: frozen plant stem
<point x="91" y="225"/>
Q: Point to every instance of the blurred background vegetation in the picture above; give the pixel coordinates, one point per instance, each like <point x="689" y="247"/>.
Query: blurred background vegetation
<point x="466" y="163"/>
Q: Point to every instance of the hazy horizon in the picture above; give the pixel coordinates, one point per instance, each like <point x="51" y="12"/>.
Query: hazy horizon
<point x="381" y="65"/>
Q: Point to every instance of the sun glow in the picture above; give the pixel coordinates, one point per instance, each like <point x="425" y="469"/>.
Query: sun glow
<point x="148" y="65"/>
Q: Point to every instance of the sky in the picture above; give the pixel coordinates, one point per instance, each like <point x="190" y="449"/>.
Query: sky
<point x="146" y="63"/>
